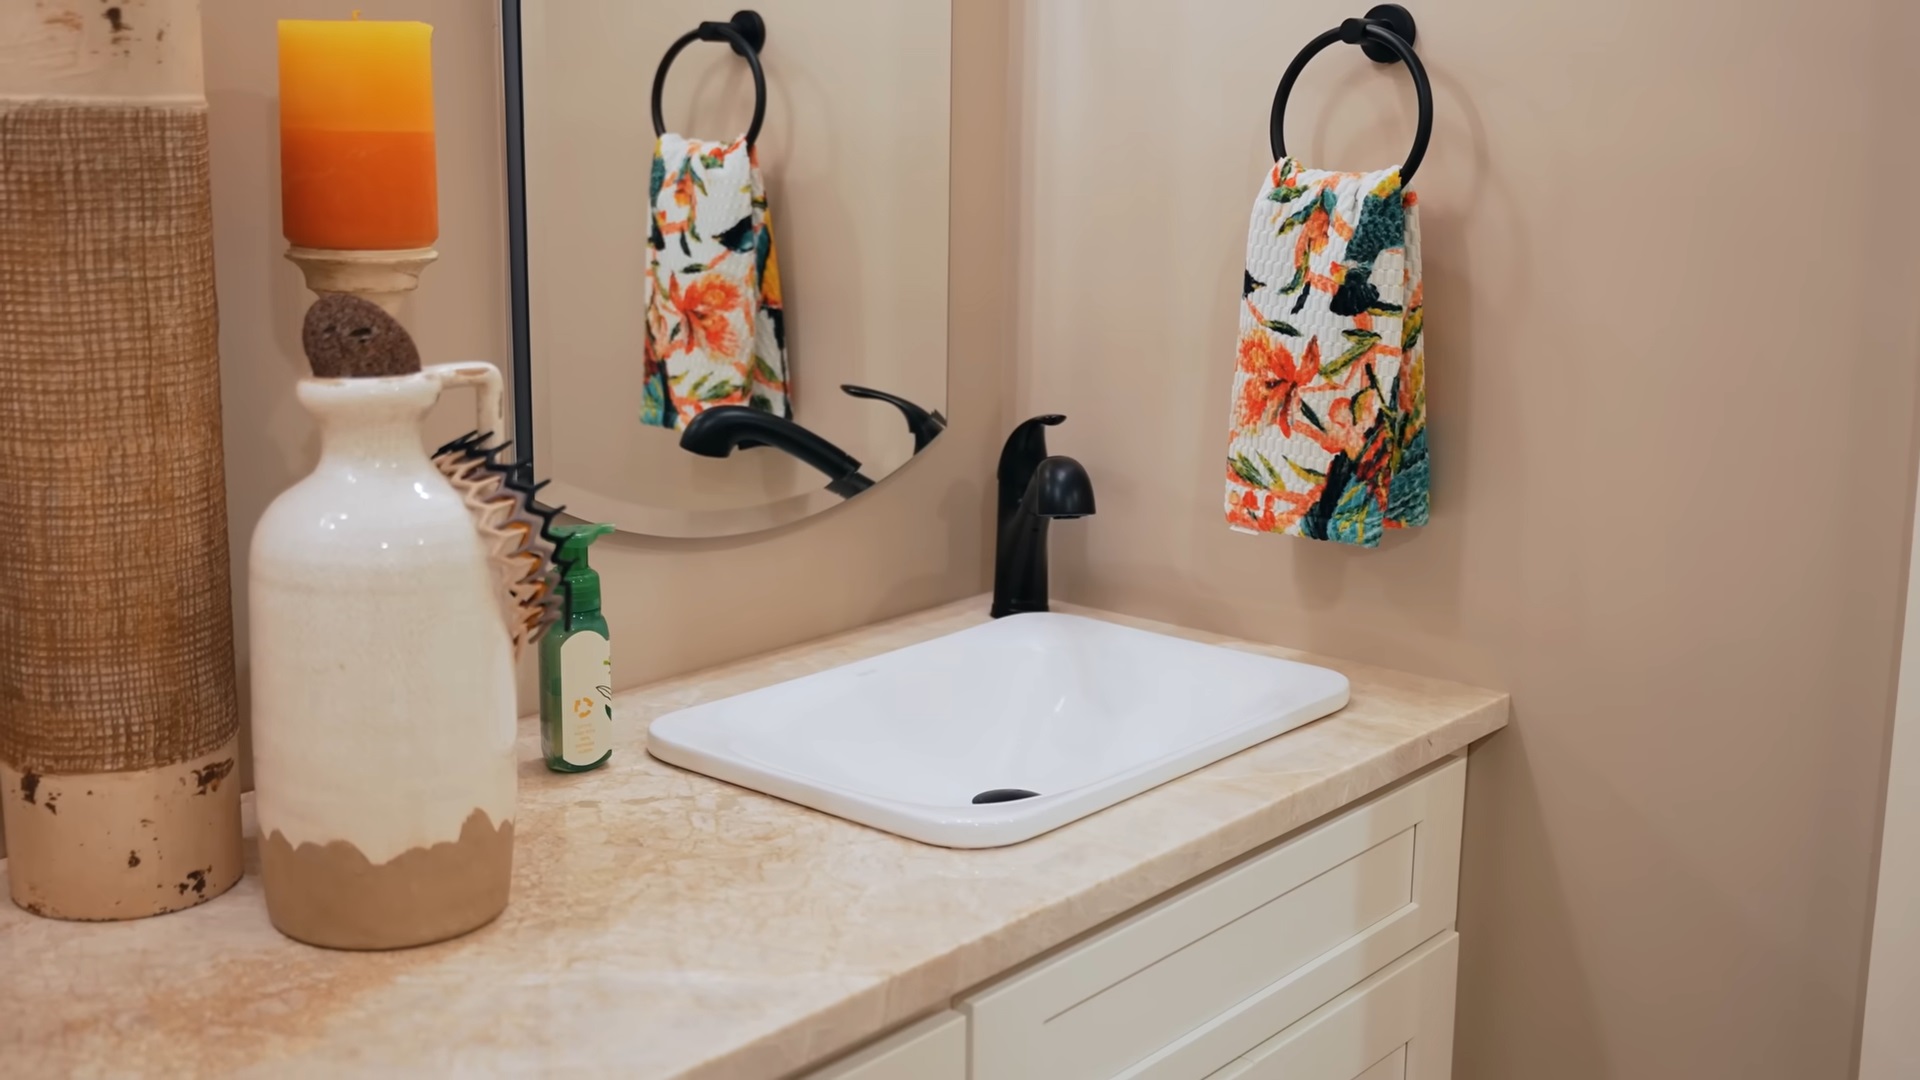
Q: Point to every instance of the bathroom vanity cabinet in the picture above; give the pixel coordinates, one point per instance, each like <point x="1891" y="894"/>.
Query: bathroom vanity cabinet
<point x="1328" y="955"/>
<point x="1284" y="912"/>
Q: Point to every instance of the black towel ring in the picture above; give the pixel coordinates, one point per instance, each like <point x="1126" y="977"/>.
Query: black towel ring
<point x="747" y="33"/>
<point x="1386" y="33"/>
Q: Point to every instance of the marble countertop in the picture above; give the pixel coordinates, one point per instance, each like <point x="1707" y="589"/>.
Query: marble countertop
<point x="667" y="925"/>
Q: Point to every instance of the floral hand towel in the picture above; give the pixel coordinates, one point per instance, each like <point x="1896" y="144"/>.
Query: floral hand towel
<point x="1329" y="424"/>
<point x="715" y="331"/>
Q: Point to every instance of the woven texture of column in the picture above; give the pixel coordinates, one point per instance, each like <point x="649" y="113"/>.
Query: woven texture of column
<point x="116" y="638"/>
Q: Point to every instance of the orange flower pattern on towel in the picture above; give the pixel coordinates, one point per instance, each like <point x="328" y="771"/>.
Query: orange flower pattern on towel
<point x="715" y="329"/>
<point x="1270" y="388"/>
<point x="1329" y="433"/>
<point x="703" y="310"/>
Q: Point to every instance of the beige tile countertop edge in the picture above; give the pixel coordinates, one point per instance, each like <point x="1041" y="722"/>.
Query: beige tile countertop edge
<point x="667" y="925"/>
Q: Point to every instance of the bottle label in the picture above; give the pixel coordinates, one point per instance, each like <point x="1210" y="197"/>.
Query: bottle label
<point x="586" y="698"/>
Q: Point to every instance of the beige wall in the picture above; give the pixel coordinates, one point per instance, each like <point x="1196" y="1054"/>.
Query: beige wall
<point x="674" y="605"/>
<point x="1672" y="359"/>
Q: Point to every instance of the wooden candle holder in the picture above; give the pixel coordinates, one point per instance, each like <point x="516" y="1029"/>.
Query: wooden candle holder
<point x="383" y="277"/>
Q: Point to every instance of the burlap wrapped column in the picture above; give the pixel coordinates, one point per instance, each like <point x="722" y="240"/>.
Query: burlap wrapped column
<point x="118" y="724"/>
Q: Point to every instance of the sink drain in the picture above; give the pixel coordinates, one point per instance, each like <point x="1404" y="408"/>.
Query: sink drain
<point x="1003" y="794"/>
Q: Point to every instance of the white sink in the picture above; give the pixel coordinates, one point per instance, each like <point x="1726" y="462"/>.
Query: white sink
<point x="1083" y="713"/>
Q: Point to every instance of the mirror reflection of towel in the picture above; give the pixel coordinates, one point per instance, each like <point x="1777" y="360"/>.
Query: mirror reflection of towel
<point x="1328" y="433"/>
<point x="715" y="329"/>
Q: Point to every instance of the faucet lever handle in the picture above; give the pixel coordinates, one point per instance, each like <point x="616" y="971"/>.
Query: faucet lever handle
<point x="1026" y="448"/>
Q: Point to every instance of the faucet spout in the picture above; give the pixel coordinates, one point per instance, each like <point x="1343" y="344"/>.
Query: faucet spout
<point x="1060" y="490"/>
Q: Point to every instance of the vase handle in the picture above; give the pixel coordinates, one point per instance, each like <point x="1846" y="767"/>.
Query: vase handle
<point x="490" y="406"/>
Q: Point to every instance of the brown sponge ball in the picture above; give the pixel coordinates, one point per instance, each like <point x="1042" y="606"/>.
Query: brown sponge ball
<point x="347" y="337"/>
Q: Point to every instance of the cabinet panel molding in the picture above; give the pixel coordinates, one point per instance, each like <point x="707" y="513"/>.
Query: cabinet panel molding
<point x="1182" y="988"/>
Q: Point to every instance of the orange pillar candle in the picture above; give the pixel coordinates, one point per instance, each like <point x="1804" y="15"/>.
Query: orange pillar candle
<point x="356" y="135"/>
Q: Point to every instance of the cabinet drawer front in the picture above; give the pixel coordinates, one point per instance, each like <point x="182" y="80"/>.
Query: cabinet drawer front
<point x="1182" y="988"/>
<point x="933" y="1049"/>
<point x="1398" y="1025"/>
<point x="1391" y="1067"/>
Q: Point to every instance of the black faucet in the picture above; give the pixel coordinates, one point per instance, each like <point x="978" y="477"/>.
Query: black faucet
<point x="718" y="431"/>
<point x="1034" y="489"/>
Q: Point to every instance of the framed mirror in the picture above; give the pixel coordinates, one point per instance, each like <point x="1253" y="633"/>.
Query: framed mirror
<point x="794" y="286"/>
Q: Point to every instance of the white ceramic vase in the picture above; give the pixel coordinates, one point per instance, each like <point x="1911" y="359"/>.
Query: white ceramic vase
<point x="383" y="683"/>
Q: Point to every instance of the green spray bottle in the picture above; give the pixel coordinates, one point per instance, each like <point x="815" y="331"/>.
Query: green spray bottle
<point x="576" y="664"/>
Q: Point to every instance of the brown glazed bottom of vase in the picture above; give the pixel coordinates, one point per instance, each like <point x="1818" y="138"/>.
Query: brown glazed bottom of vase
<point x="331" y="895"/>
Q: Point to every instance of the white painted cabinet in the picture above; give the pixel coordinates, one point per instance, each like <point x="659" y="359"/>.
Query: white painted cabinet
<point x="1398" y="1025"/>
<point x="1330" y="956"/>
<point x="933" y="1049"/>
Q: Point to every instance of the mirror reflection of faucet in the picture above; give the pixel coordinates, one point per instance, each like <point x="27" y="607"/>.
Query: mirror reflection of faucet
<point x="718" y="431"/>
<point x="923" y="425"/>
